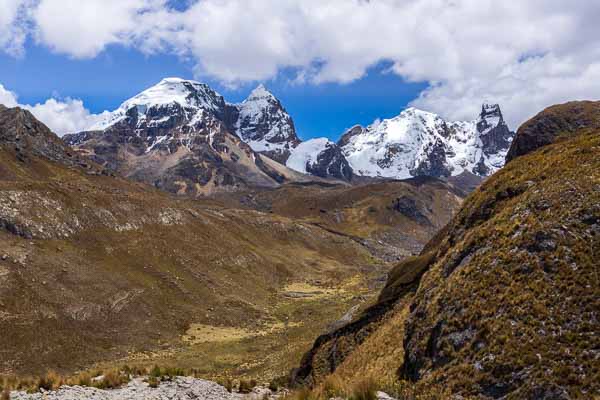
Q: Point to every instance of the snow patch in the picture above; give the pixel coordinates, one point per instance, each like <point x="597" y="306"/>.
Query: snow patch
<point x="306" y="153"/>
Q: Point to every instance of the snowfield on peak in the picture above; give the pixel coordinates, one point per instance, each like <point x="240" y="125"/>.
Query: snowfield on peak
<point x="192" y="96"/>
<point x="307" y="153"/>
<point x="265" y="125"/>
<point x="418" y="142"/>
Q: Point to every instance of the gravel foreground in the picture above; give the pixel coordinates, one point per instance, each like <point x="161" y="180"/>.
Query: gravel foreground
<point x="180" y="388"/>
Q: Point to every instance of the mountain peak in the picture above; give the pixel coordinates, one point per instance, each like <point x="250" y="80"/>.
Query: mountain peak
<point x="491" y="110"/>
<point x="418" y="142"/>
<point x="260" y="92"/>
<point x="188" y="94"/>
<point x="176" y="80"/>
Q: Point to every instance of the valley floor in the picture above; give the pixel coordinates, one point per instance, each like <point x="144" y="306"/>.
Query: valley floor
<point x="276" y="344"/>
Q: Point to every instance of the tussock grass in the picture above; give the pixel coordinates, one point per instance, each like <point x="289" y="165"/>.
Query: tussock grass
<point x="246" y="386"/>
<point x="99" y="378"/>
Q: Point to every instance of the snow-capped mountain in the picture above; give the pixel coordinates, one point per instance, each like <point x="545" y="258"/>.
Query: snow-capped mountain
<point x="174" y="135"/>
<point x="169" y="98"/>
<point x="417" y="142"/>
<point x="263" y="123"/>
<point x="320" y="157"/>
<point x="183" y="136"/>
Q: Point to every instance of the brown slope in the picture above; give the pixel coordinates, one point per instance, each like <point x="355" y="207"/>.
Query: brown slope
<point x="93" y="268"/>
<point x="23" y="134"/>
<point x="507" y="305"/>
<point x="393" y="219"/>
<point x="554" y="123"/>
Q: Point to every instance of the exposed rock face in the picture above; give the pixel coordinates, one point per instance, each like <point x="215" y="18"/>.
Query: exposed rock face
<point x="553" y="123"/>
<point x="173" y="136"/>
<point x="22" y="133"/>
<point x="421" y="143"/>
<point x="320" y="157"/>
<point x="349" y="134"/>
<point x="263" y="123"/>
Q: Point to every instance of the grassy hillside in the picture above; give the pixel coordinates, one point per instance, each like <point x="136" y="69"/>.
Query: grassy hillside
<point x="97" y="270"/>
<point x="94" y="267"/>
<point x="393" y="219"/>
<point x="507" y="304"/>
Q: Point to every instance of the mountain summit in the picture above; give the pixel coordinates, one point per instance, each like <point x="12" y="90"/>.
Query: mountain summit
<point x="263" y="123"/>
<point x="418" y="142"/>
<point x="175" y="136"/>
<point x="183" y="136"/>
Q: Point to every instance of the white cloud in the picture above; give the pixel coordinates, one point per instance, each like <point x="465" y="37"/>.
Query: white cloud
<point x="84" y="28"/>
<point x="7" y="98"/>
<point x="13" y="26"/>
<point x="61" y="116"/>
<point x="68" y="116"/>
<point x="523" y="54"/>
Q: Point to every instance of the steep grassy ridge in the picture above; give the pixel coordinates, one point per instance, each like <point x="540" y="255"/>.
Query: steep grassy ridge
<point x="507" y="304"/>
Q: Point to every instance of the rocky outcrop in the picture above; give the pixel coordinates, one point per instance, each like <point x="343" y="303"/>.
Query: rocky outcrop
<point x="23" y="134"/>
<point x="560" y="121"/>
<point x="331" y="163"/>
<point x="349" y="134"/>
<point x="320" y="157"/>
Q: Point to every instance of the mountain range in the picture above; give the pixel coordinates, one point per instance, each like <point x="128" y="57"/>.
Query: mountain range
<point x="182" y="136"/>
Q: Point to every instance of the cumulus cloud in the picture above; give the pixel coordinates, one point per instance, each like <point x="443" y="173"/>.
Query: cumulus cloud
<point x="524" y="55"/>
<point x="66" y="116"/>
<point x="13" y="25"/>
<point x="84" y="28"/>
<point x="7" y="98"/>
<point x="61" y="116"/>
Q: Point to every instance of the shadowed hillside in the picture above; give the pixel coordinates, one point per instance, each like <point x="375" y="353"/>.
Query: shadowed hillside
<point x="501" y="303"/>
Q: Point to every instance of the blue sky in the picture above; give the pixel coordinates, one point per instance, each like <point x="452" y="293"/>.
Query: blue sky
<point x="66" y="60"/>
<point x="118" y="73"/>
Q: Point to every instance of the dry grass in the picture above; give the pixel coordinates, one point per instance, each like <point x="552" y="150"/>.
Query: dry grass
<point x="201" y="333"/>
<point x="101" y="379"/>
<point x="246" y="386"/>
<point x="333" y="387"/>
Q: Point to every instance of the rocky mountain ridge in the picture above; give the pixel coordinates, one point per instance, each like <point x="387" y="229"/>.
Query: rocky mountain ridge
<point x="263" y="123"/>
<point x="183" y="131"/>
<point x="175" y="136"/>
<point x="22" y="133"/>
<point x="417" y="143"/>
